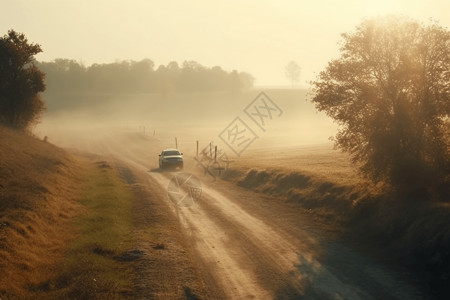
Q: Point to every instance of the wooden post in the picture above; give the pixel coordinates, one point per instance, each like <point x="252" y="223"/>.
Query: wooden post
<point x="176" y="143"/>
<point x="215" y="154"/>
<point x="210" y="150"/>
<point x="197" y="148"/>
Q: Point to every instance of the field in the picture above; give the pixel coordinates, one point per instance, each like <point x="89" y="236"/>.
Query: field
<point x="189" y="116"/>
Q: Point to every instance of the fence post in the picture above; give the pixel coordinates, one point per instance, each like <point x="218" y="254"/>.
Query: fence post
<point x="176" y="143"/>
<point x="197" y="149"/>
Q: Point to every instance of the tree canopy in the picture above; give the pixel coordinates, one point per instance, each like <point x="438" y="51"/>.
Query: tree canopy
<point x="390" y="92"/>
<point x="141" y="76"/>
<point x="20" y="82"/>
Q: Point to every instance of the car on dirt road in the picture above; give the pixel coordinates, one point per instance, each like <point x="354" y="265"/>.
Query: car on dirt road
<point x="171" y="158"/>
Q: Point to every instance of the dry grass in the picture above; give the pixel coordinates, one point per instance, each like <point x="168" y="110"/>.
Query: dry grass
<point x="318" y="178"/>
<point x="38" y="188"/>
<point x="320" y="161"/>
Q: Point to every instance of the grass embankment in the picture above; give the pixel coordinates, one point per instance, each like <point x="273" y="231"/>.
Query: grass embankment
<point x="65" y="224"/>
<point x="328" y="202"/>
<point x="410" y="231"/>
<point x="38" y="190"/>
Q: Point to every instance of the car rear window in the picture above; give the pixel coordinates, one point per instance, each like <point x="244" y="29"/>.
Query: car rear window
<point x="167" y="153"/>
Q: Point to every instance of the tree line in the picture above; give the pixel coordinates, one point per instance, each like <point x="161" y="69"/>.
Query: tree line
<point x="141" y="76"/>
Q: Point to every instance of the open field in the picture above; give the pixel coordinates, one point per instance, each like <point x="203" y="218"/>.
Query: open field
<point x="317" y="160"/>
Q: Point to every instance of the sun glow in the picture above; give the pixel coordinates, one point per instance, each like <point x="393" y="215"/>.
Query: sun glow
<point x="381" y="7"/>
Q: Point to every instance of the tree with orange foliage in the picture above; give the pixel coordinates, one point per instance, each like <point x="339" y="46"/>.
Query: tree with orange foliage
<point x="390" y="92"/>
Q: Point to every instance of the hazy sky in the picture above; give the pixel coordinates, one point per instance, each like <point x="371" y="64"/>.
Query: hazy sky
<point x="257" y="36"/>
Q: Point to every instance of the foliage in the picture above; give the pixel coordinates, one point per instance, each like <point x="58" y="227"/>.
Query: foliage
<point x="390" y="92"/>
<point x="292" y="71"/>
<point x="141" y="76"/>
<point x="20" y="82"/>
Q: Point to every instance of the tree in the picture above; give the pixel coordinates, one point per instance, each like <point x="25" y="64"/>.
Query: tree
<point x="292" y="71"/>
<point x="390" y="92"/>
<point x="20" y="82"/>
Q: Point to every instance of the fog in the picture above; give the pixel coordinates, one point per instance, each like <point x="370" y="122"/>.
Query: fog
<point x="189" y="117"/>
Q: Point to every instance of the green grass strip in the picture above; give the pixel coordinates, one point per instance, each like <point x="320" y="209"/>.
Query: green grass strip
<point x="94" y="265"/>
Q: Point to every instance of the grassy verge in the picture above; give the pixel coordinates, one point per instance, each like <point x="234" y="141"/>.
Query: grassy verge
<point x="96" y="265"/>
<point x="330" y="202"/>
<point x="410" y="233"/>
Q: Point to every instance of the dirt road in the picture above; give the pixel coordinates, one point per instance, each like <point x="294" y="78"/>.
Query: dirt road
<point x="249" y="246"/>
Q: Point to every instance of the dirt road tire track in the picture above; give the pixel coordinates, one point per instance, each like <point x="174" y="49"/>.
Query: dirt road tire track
<point x="167" y="268"/>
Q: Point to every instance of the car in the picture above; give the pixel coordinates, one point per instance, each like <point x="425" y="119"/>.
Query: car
<point x="171" y="158"/>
